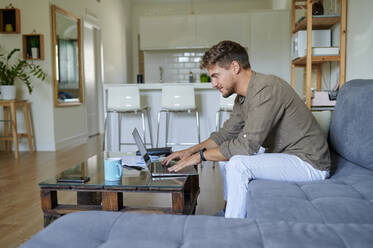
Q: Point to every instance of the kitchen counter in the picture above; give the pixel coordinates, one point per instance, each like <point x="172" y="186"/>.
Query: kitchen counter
<point x="158" y="86"/>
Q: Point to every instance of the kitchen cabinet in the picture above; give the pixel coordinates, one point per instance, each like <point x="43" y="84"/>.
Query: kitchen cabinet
<point x="192" y="31"/>
<point x="210" y="29"/>
<point x="167" y="32"/>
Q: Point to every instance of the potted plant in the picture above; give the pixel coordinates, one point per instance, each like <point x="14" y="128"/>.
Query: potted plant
<point x="21" y="70"/>
<point x="34" y="43"/>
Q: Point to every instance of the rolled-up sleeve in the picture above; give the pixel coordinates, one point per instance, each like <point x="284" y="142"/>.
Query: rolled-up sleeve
<point x="264" y="112"/>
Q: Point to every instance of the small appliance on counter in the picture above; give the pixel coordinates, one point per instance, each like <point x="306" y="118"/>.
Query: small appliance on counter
<point x="320" y="38"/>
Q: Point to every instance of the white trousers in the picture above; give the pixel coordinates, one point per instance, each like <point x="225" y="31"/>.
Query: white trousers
<point x="241" y="169"/>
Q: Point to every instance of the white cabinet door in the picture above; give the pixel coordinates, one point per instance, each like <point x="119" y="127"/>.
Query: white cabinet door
<point x="167" y="32"/>
<point x="206" y="30"/>
<point x="210" y="29"/>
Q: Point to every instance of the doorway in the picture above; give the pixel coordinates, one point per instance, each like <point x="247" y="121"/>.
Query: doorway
<point x="93" y="78"/>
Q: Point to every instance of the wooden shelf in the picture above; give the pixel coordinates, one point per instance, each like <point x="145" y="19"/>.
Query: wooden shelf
<point x="313" y="22"/>
<point x="27" y="40"/>
<point x="318" y="22"/>
<point x="10" y="17"/>
<point x="315" y="60"/>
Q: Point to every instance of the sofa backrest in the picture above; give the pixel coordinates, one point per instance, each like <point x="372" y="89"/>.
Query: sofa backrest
<point x="351" y="129"/>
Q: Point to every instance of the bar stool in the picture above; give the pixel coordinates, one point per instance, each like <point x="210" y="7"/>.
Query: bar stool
<point x="126" y="100"/>
<point x="226" y="105"/>
<point x="178" y="99"/>
<point x="14" y="135"/>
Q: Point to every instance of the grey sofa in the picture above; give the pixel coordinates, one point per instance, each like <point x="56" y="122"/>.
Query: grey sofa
<point x="337" y="212"/>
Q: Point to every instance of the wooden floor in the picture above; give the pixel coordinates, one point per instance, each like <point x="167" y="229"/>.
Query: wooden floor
<point x="20" y="211"/>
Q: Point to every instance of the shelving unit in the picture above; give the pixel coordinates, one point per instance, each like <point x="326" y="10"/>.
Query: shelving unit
<point x="27" y="40"/>
<point x="12" y="17"/>
<point x="310" y="23"/>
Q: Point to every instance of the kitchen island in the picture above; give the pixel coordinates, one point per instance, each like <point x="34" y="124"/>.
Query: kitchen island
<point x="182" y="126"/>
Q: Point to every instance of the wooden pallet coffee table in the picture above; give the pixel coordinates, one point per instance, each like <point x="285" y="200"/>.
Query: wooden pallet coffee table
<point x="98" y="194"/>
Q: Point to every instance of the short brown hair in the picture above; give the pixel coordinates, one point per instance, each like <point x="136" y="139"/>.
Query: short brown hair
<point x="224" y="53"/>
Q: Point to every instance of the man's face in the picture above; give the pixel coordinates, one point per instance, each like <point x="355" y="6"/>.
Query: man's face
<point x="222" y="79"/>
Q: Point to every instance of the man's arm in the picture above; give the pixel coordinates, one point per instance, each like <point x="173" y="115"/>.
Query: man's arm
<point x="208" y="144"/>
<point x="231" y="128"/>
<point x="212" y="154"/>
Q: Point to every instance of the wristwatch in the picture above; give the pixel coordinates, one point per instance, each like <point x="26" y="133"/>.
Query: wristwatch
<point x="201" y="154"/>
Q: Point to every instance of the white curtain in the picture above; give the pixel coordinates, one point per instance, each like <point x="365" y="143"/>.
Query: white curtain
<point x="68" y="63"/>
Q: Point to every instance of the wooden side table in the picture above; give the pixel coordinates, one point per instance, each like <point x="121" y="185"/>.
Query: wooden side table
<point x="13" y="135"/>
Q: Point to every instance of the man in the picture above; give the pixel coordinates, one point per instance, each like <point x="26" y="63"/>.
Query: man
<point x="267" y="116"/>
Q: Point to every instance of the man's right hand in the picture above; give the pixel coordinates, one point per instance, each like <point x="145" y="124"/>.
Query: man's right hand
<point x="179" y="154"/>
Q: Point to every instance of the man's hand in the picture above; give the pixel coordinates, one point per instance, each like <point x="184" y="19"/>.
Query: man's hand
<point x="188" y="161"/>
<point x="179" y="154"/>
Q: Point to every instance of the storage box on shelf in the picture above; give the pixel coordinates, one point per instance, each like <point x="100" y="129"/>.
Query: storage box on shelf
<point x="33" y="46"/>
<point x="10" y="21"/>
<point x="311" y="23"/>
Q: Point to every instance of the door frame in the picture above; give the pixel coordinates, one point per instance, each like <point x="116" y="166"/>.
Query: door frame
<point x="93" y="24"/>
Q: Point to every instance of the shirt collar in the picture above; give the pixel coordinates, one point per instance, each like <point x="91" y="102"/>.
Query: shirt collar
<point x="241" y="99"/>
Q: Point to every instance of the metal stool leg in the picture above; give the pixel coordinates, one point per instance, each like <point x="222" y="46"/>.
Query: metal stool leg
<point x="105" y="132"/>
<point x="217" y="120"/>
<point x="198" y="128"/>
<point x="167" y="125"/>
<point x="159" y="120"/>
<point x="119" y="130"/>
<point x="150" y="128"/>
<point x="143" y="126"/>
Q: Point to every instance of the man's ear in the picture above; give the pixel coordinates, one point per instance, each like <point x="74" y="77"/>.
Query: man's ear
<point x="236" y="67"/>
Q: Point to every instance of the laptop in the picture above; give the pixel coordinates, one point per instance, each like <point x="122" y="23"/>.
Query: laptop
<point x="155" y="167"/>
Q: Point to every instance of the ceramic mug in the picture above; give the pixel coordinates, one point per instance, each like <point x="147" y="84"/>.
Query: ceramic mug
<point x="113" y="169"/>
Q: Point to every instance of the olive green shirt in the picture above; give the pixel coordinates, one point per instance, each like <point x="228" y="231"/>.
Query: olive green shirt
<point x="272" y="115"/>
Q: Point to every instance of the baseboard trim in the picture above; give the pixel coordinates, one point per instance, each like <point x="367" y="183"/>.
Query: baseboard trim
<point x="72" y="141"/>
<point x="61" y="144"/>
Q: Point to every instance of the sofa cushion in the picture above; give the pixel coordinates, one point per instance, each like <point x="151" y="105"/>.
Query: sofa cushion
<point x="351" y="130"/>
<point x="142" y="230"/>
<point x="347" y="197"/>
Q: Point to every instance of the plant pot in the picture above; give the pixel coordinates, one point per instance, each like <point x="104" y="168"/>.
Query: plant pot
<point x="35" y="52"/>
<point x="9" y="28"/>
<point x="8" y="92"/>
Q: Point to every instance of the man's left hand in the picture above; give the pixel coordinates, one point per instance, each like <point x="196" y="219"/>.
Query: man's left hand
<point x="191" y="160"/>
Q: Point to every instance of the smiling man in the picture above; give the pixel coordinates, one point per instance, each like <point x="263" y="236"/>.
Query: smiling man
<point x="270" y="134"/>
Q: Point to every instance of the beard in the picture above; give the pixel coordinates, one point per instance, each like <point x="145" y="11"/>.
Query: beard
<point x="228" y="92"/>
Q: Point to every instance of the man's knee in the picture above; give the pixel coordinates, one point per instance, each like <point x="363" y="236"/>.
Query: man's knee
<point x="235" y="164"/>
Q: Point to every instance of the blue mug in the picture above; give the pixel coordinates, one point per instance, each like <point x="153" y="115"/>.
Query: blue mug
<point x="113" y="169"/>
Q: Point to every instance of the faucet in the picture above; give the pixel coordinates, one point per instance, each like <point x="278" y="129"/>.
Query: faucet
<point x="160" y="74"/>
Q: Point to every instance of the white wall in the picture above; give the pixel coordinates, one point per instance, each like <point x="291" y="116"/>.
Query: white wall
<point x="270" y="42"/>
<point x="359" y="40"/>
<point x="59" y="127"/>
<point x="42" y="96"/>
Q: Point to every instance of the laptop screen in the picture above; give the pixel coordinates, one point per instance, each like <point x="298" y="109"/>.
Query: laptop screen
<point x="141" y="146"/>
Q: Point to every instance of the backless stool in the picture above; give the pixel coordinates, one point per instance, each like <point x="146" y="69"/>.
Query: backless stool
<point x="178" y="99"/>
<point x="126" y="100"/>
<point x="226" y="105"/>
<point x="14" y="135"/>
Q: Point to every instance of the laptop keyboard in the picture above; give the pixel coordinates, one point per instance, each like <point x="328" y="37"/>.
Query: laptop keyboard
<point x="158" y="168"/>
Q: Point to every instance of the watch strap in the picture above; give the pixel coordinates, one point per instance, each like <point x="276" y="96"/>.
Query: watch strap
<point x="201" y="154"/>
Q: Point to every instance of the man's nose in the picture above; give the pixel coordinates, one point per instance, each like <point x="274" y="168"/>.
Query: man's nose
<point x="214" y="83"/>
